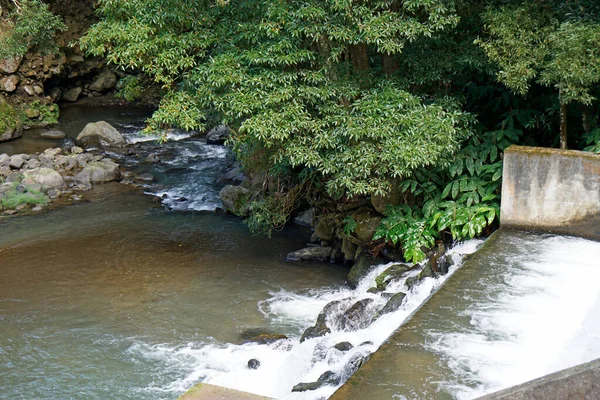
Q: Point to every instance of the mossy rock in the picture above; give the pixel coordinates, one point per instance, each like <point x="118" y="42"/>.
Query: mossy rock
<point x="392" y="305"/>
<point x="360" y="269"/>
<point x="366" y="224"/>
<point x="393" y="273"/>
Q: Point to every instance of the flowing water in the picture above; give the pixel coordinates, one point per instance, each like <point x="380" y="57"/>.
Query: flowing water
<point x="121" y="297"/>
<point x="523" y="306"/>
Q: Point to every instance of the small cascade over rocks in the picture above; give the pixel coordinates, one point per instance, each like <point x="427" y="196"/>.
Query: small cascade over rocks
<point x="329" y="334"/>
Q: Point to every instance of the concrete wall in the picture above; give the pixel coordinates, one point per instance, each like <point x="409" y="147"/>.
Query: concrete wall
<point x="204" y="391"/>
<point x="551" y="190"/>
<point x="578" y="383"/>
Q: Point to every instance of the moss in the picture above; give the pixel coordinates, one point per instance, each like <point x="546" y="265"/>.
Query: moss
<point x="9" y="117"/>
<point x="14" y="198"/>
<point x="37" y="113"/>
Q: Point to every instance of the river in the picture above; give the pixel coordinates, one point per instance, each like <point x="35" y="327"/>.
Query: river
<point x="121" y="296"/>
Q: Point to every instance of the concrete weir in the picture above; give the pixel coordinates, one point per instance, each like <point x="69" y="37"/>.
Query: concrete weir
<point x="551" y="190"/>
<point x="580" y="382"/>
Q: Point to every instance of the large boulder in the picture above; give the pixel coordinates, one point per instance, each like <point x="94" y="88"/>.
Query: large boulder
<point x="308" y="254"/>
<point x="357" y="316"/>
<point x="11" y="132"/>
<point x="10" y="65"/>
<point x="103" y="82"/>
<point x="100" y="133"/>
<point x="235" y="199"/>
<point x="218" y="135"/>
<point x="320" y="328"/>
<point x="72" y="94"/>
<point x="46" y="177"/>
<point x="366" y="224"/>
<point x="98" y="172"/>
<point x="9" y="83"/>
<point x="363" y="265"/>
<point x="393" y="273"/>
<point x="392" y="305"/>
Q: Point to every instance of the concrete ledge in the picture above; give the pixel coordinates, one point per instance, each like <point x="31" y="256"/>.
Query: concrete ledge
<point x="551" y="190"/>
<point x="204" y="391"/>
<point x="581" y="382"/>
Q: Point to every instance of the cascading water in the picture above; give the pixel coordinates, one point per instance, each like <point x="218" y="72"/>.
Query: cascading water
<point x="523" y="306"/>
<point x="286" y="363"/>
<point x="541" y="314"/>
<point x="188" y="171"/>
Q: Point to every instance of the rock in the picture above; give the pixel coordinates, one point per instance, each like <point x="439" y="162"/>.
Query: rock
<point x="355" y="362"/>
<point x="310" y="254"/>
<point x="234" y="175"/>
<point x="253" y="363"/>
<point x="327" y="378"/>
<point x="426" y="272"/>
<point x="103" y="82"/>
<point x="9" y="83"/>
<point x="100" y="133"/>
<point x="392" y="273"/>
<point x="266" y="338"/>
<point x="32" y="113"/>
<point x="357" y="316"/>
<point x="152" y="158"/>
<point x="305" y="218"/>
<point x="76" y="150"/>
<point x="343" y="346"/>
<point x="348" y="250"/>
<point x="16" y="161"/>
<point x="366" y="224"/>
<point x="325" y="228"/>
<point x="10" y="65"/>
<point x="145" y="177"/>
<point x="33" y="164"/>
<point x="52" y="152"/>
<point x="360" y="269"/>
<point x="394" y="197"/>
<point x="320" y="328"/>
<point x="13" y="177"/>
<point x="304" y="387"/>
<point x="391" y="255"/>
<point x="54" y="135"/>
<point x="235" y="199"/>
<point x="48" y="178"/>
<point x="72" y="94"/>
<point x="217" y="135"/>
<point x="336" y="255"/>
<point x="98" y="171"/>
<point x="411" y="281"/>
<point x="4" y="159"/>
<point x="12" y="132"/>
<point x="392" y="305"/>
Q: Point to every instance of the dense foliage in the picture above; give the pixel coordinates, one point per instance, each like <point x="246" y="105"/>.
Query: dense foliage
<point x="342" y="99"/>
<point x="27" y="25"/>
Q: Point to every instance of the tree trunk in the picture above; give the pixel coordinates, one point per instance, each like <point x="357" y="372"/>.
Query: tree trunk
<point x="563" y="120"/>
<point x="389" y="64"/>
<point x="585" y="120"/>
<point x="359" y="57"/>
<point x="563" y="126"/>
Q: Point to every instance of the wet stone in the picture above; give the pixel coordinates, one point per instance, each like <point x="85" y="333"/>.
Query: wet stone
<point x="253" y="364"/>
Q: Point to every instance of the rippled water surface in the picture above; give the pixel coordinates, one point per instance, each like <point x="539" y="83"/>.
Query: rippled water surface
<point x="96" y="298"/>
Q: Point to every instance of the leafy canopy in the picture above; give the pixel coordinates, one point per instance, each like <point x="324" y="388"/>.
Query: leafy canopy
<point x="301" y="82"/>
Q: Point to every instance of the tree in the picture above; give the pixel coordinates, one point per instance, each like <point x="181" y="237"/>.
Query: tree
<point x="305" y="85"/>
<point x="27" y="25"/>
<point x="530" y="43"/>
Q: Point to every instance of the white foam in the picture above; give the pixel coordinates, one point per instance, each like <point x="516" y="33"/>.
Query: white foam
<point x="287" y="363"/>
<point x="544" y="317"/>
